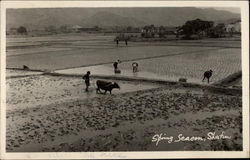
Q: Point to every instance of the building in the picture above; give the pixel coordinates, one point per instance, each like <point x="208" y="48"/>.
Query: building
<point x="12" y="31"/>
<point x="234" y="27"/>
<point x="151" y="31"/>
<point x="148" y="31"/>
<point x="76" y="28"/>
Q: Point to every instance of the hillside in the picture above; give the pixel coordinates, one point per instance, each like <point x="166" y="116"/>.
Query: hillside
<point x="106" y="17"/>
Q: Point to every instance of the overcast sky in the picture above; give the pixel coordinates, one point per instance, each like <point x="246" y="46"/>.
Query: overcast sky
<point x="234" y="10"/>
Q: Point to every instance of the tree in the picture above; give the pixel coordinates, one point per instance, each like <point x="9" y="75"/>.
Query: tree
<point x="22" y="30"/>
<point x="197" y="27"/>
<point x="161" y="32"/>
<point x="129" y="29"/>
<point x="217" y="31"/>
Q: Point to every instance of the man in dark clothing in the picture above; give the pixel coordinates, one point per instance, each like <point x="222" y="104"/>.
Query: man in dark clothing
<point x="117" y="42"/>
<point x="115" y="64"/>
<point x="86" y="78"/>
<point x="126" y="42"/>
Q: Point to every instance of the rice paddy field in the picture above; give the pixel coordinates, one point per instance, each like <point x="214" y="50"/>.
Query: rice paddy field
<point x="174" y="59"/>
<point x="192" y="66"/>
<point x="48" y="112"/>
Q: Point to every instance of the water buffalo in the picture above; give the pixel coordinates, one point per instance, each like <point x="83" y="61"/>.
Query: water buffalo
<point x="106" y="86"/>
<point x="207" y="75"/>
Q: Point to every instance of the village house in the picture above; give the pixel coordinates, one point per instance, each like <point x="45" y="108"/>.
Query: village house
<point x="12" y="31"/>
<point x="234" y="27"/>
<point x="152" y="31"/>
<point x="148" y="31"/>
<point x="76" y="28"/>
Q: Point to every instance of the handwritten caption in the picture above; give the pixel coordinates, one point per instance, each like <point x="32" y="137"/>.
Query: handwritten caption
<point x="157" y="138"/>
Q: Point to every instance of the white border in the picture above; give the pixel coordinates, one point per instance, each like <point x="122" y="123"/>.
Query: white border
<point x="135" y="155"/>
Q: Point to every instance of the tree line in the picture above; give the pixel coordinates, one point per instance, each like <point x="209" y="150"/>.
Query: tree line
<point x="192" y="29"/>
<point x="202" y="28"/>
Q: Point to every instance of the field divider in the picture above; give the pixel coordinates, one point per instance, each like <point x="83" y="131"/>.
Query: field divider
<point x="229" y="80"/>
<point x="30" y="70"/>
<point x="23" y="76"/>
<point x="25" y="70"/>
<point x="206" y="88"/>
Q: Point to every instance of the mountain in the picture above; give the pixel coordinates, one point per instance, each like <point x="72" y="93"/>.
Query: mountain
<point x="107" y="19"/>
<point x="38" y="18"/>
<point x="228" y="21"/>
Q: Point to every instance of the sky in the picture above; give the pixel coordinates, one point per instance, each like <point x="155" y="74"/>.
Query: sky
<point x="234" y="10"/>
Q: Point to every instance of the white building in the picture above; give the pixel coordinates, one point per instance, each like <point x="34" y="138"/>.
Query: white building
<point x="234" y="27"/>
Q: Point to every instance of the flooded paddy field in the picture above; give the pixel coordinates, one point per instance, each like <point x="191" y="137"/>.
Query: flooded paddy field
<point x="223" y="62"/>
<point x="61" y="52"/>
<point x="54" y="113"/>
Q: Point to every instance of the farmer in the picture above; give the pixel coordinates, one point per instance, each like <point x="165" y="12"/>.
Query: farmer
<point x="135" y="67"/>
<point x="115" y="64"/>
<point x="86" y="78"/>
<point x="117" y="42"/>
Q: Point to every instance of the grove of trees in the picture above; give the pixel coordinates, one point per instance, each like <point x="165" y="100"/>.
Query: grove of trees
<point x="202" y="28"/>
<point x="196" y="27"/>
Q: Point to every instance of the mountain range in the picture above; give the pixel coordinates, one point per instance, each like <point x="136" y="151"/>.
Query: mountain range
<point x="38" y="18"/>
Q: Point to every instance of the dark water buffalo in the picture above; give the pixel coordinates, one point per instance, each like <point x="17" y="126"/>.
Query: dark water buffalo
<point x="207" y="75"/>
<point x="106" y="86"/>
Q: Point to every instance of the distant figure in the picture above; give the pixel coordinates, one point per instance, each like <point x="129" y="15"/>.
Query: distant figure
<point x="25" y="67"/>
<point x="135" y="67"/>
<point x="207" y="75"/>
<point x="182" y="79"/>
<point x="86" y="78"/>
<point x="115" y="64"/>
<point x="106" y="86"/>
<point x="126" y="42"/>
<point x="117" y="42"/>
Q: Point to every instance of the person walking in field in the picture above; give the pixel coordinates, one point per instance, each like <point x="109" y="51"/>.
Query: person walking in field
<point x="117" y="42"/>
<point x="115" y="65"/>
<point x="86" y="77"/>
<point x="126" y="42"/>
<point x="135" y="67"/>
<point x="207" y="75"/>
